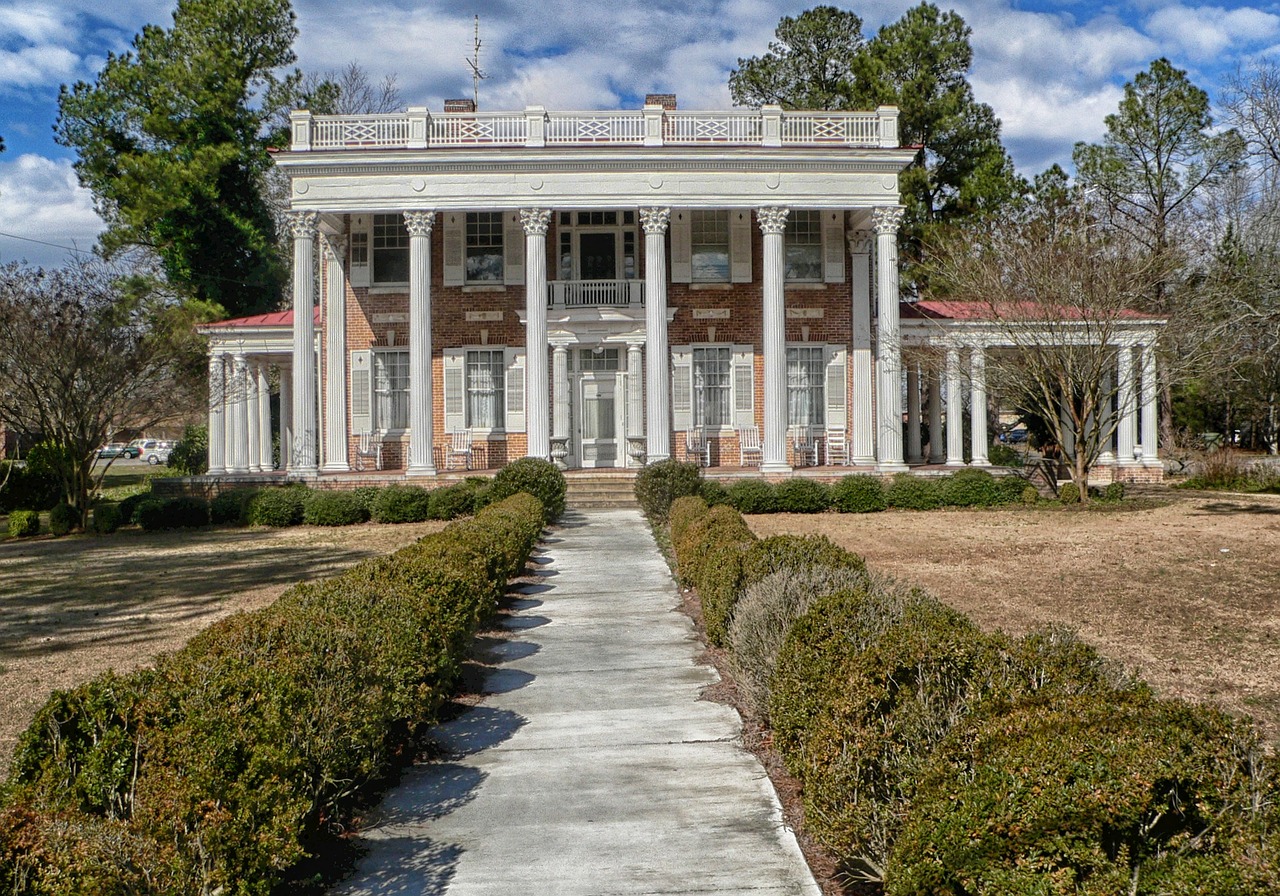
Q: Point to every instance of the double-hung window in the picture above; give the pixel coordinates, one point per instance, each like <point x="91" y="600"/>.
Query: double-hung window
<point x="802" y="244"/>
<point x="484" y="258"/>
<point x="712" y="386"/>
<point x="709" y="237"/>
<point x="391" y="390"/>
<point x="485" y="374"/>
<point x="806" y="385"/>
<point x="390" y="249"/>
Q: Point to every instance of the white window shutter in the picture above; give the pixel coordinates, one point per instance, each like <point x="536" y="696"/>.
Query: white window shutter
<point x="361" y="392"/>
<point x="682" y="388"/>
<point x="514" y="388"/>
<point x="455" y="238"/>
<point x="455" y="398"/>
<point x="744" y="385"/>
<point x="740" y="246"/>
<point x="360" y="249"/>
<point x="833" y="246"/>
<point x="513" y="249"/>
<point x="681" y="246"/>
<point x="837" y="386"/>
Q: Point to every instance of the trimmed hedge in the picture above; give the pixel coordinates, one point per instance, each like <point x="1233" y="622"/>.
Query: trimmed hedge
<point x="801" y="496"/>
<point x="62" y="519"/>
<point x="28" y="488"/>
<point x="752" y="496"/>
<point x="24" y="523"/>
<point x="261" y="735"/>
<point x="859" y="494"/>
<point x="907" y="492"/>
<point x="106" y="518"/>
<point x="710" y="557"/>
<point x="540" y="478"/>
<point x="970" y="488"/>
<point x="401" y="504"/>
<point x="333" y="508"/>
<point x="232" y="506"/>
<point x="278" y="507"/>
<point x="659" y="484"/>
<point x="155" y="514"/>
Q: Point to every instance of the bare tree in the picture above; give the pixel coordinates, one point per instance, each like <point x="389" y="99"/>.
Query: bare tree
<point x="81" y="356"/>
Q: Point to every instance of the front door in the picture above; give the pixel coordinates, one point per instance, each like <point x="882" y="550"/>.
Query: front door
<point x="598" y="407"/>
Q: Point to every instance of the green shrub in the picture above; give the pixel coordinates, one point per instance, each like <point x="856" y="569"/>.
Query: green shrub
<point x="765" y="613"/>
<point x="129" y="506"/>
<point x="452" y="501"/>
<point x="1030" y="495"/>
<point x="366" y="495"/>
<point x="908" y="492"/>
<point x="970" y="488"/>
<point x="1009" y="489"/>
<point x="684" y="511"/>
<point x="327" y="507"/>
<point x="709" y="557"/>
<point x="1069" y="493"/>
<point x="278" y="507"/>
<point x="768" y="555"/>
<point x="540" y="478"/>
<point x="401" y="504"/>
<point x="1130" y="795"/>
<point x="190" y="456"/>
<point x="1004" y="456"/>
<point x="1113" y="492"/>
<point x="106" y="517"/>
<point x="62" y="519"/>
<point x="751" y="496"/>
<point x="27" y="488"/>
<point x="798" y="495"/>
<point x="24" y="523"/>
<point x="232" y="506"/>
<point x="859" y="494"/>
<point x="184" y="512"/>
<point x="659" y="484"/>
<point x="481" y="492"/>
<point x="713" y="492"/>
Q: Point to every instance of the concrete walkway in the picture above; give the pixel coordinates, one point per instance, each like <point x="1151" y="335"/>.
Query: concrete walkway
<point x="593" y="768"/>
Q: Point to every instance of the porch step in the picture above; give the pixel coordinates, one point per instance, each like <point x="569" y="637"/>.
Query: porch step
<point x="603" y="490"/>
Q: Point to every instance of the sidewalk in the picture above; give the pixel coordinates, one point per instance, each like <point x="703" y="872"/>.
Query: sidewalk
<point x="592" y="768"/>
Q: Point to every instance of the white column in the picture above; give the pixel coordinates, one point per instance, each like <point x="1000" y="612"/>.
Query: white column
<point x="560" y="404"/>
<point x="1107" y="454"/>
<point x="886" y="219"/>
<point x="286" y="416"/>
<point x="254" y="440"/>
<point x="978" y="406"/>
<point x="1150" y="423"/>
<point x="955" y="410"/>
<point x="937" y="453"/>
<point x="862" y="443"/>
<point x="217" y="415"/>
<point x="335" y="356"/>
<point x="536" y="390"/>
<point x="265" y="461"/>
<point x="915" y="454"/>
<point x="635" y="401"/>
<point x="303" y="227"/>
<point x="773" y="223"/>
<point x="657" y="364"/>
<point x="239" y="415"/>
<point x="1126" y="408"/>
<point x="421" y="449"/>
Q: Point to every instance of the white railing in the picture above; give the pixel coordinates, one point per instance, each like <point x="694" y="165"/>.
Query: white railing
<point x="536" y="128"/>
<point x="593" y="293"/>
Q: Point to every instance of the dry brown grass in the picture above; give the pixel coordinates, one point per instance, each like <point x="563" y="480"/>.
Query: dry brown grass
<point x="1184" y="589"/>
<point x="73" y="607"/>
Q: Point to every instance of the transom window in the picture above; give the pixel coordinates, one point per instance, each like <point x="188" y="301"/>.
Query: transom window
<point x="486" y="371"/>
<point x="390" y="249"/>
<point x="484" y="247"/>
<point x="391" y="389"/>
<point x="802" y="243"/>
<point x="710" y="246"/>
<point x="806" y="386"/>
<point x="712" y="386"/>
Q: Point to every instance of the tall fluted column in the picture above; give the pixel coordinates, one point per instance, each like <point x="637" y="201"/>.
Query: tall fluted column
<point x="937" y="450"/>
<point x="303" y="227"/>
<point x="657" y="364"/>
<point x="978" y="406"/>
<point x="955" y="410"/>
<point x="239" y="415"/>
<point x="335" y="356"/>
<point x="915" y="454"/>
<point x="862" y="443"/>
<point x="1127" y="408"/>
<point x="1150" y="426"/>
<point x="421" y="448"/>
<point x="635" y="404"/>
<point x="886" y="219"/>
<point x="286" y="417"/>
<point x="1107" y="454"/>
<point x="773" y="224"/>
<point x="536" y="385"/>
<point x="217" y="415"/>
<point x="560" y="409"/>
<point x="254" y="440"/>
<point x="265" y="461"/>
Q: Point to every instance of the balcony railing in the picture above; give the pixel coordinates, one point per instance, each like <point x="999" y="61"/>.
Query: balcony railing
<point x="595" y="293"/>
<point x="536" y="128"/>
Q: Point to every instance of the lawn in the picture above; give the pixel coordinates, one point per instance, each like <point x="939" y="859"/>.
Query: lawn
<point x="73" y="607"/>
<point x="1185" y="589"/>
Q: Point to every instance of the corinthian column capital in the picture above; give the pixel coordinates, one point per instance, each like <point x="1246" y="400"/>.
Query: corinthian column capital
<point x="419" y="223"/>
<point x="886" y="219"/>
<point x="535" y="220"/>
<point x="335" y="244"/>
<point x="859" y="242"/>
<point x="773" y="218"/>
<point x="304" y="224"/>
<point x="655" y="220"/>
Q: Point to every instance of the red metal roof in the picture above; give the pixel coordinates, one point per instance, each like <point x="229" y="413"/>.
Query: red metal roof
<point x="271" y="319"/>
<point x="939" y="309"/>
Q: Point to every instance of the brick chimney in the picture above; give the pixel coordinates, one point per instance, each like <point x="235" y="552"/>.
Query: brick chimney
<point x="460" y="106"/>
<point x="665" y="100"/>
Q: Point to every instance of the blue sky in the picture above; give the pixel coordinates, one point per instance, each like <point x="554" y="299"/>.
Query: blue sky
<point x="1051" y="71"/>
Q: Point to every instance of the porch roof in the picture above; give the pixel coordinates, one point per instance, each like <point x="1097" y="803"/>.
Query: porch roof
<point x="257" y="321"/>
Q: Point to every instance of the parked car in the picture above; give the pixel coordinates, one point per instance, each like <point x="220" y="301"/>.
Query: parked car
<point x="119" y="449"/>
<point x="1016" y="436"/>
<point x="156" y="451"/>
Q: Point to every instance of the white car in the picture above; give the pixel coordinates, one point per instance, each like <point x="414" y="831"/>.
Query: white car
<point x="155" y="451"/>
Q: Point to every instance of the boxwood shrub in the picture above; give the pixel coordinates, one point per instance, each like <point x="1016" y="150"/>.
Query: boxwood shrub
<point x="713" y="492"/>
<point x="709" y="557"/>
<point x="752" y="496"/>
<point x="24" y="523"/>
<point x="908" y="492"/>
<point x="62" y="519"/>
<point x="540" y="478"/>
<point x="105" y="517"/>
<point x="1069" y="493"/>
<point x="182" y="512"/>
<point x="801" y="496"/>
<point x="278" y="507"/>
<point x="859" y="493"/>
<point x="1009" y="489"/>
<point x="232" y="506"/>
<point x="768" y="555"/>
<point x="26" y="487"/>
<point x="451" y="501"/>
<point x="401" y="504"/>
<point x="328" y="507"/>
<point x="684" y="511"/>
<point x="659" y="484"/>
<point x="365" y="495"/>
<point x="970" y="488"/>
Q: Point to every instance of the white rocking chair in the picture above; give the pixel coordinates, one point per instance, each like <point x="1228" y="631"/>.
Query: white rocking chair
<point x="804" y="445"/>
<point x="749" y="448"/>
<point x="697" y="445"/>
<point x="460" y="449"/>
<point x="369" y="445"/>
<point x="837" y="447"/>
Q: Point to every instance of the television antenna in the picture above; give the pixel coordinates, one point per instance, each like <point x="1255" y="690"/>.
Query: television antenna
<point x="477" y="74"/>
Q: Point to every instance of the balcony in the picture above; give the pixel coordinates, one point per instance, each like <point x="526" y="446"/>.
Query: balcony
<point x="595" y="293"/>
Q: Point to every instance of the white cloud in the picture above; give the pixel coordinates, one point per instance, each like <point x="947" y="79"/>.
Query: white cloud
<point x="41" y="200"/>
<point x="1204" y="33"/>
<point x="34" y="66"/>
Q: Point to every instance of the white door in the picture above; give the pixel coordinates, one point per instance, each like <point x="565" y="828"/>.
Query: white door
<point x="599" y="420"/>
